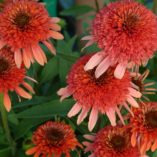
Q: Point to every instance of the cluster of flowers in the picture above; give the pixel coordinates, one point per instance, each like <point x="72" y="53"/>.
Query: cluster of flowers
<point x="106" y="82"/>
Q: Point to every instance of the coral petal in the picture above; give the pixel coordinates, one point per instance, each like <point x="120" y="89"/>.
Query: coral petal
<point x="75" y="110"/>
<point x="7" y="102"/>
<point x="120" y="71"/>
<point x="92" y="119"/>
<point x="94" y="61"/>
<point x="112" y="117"/>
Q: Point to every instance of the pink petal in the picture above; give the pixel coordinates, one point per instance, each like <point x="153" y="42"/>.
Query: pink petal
<point x="133" y="139"/>
<point x="102" y="67"/>
<point x="23" y="93"/>
<point x="128" y="108"/>
<point x="120" y="116"/>
<point x="55" y="19"/>
<point x="7" y="102"/>
<point x="89" y="137"/>
<point x="94" y="61"/>
<point x="56" y="35"/>
<point x="112" y="117"/>
<point x="89" y="43"/>
<point x="37" y="55"/>
<point x="132" y="102"/>
<point x="55" y="27"/>
<point x="26" y="60"/>
<point x="28" y="87"/>
<point x="134" y="93"/>
<point x="120" y="71"/>
<point x="74" y="110"/>
<point x="64" y="93"/>
<point x="154" y="146"/>
<point x="18" y="58"/>
<point x="50" y="47"/>
<point x="89" y="37"/>
<point x="82" y="115"/>
<point x="92" y="119"/>
<point x="31" y="79"/>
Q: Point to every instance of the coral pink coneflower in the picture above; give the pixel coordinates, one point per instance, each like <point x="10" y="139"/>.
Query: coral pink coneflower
<point x="126" y="32"/>
<point x="53" y="139"/>
<point x="24" y="24"/>
<point x="140" y="84"/>
<point x="12" y="78"/>
<point x="101" y="95"/>
<point x="144" y="127"/>
<point x="111" y="142"/>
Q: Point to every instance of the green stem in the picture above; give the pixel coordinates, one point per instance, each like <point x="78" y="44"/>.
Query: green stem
<point x="154" y="6"/>
<point x="6" y="127"/>
<point x="97" y="5"/>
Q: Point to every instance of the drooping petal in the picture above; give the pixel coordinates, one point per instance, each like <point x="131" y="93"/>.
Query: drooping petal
<point x="92" y="119"/>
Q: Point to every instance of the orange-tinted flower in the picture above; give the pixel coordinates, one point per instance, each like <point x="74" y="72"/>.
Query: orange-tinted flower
<point x="12" y="78"/>
<point x="126" y="32"/>
<point x="140" y="84"/>
<point x="102" y="95"/>
<point x="23" y="25"/>
<point x="53" y="138"/>
<point x="111" y="142"/>
<point x="144" y="127"/>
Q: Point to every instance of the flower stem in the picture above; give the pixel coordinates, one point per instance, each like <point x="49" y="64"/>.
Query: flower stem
<point x="6" y="128"/>
<point x="97" y="5"/>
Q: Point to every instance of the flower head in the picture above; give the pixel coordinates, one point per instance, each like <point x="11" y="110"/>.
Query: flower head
<point x="111" y="141"/>
<point x="140" y="84"/>
<point x="126" y="32"/>
<point x="100" y="95"/>
<point x="53" y="138"/>
<point x="23" y="25"/>
<point x="12" y="78"/>
<point x="144" y="127"/>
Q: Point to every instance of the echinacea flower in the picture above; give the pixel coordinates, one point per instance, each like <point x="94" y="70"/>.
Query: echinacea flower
<point x="53" y="139"/>
<point x="111" y="142"/>
<point x="24" y="24"/>
<point x="12" y="78"/>
<point x="140" y="84"/>
<point x="126" y="32"/>
<point x="100" y="95"/>
<point x="144" y="127"/>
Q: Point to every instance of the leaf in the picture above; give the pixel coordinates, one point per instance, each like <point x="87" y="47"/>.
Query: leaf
<point x="49" y="71"/>
<point x="77" y="10"/>
<point x="49" y="109"/>
<point x="25" y="125"/>
<point x="51" y="7"/>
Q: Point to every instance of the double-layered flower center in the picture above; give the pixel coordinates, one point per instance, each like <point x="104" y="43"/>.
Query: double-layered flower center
<point x="4" y="65"/>
<point x="118" y="142"/>
<point x="21" y="20"/>
<point x="54" y="136"/>
<point x="104" y="78"/>
<point x="151" y="119"/>
<point x="129" y="23"/>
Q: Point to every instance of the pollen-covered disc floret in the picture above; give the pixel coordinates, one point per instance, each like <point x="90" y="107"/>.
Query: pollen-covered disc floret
<point x="144" y="127"/>
<point x="111" y="142"/>
<point x="12" y="78"/>
<point x="53" y="139"/>
<point x="126" y="32"/>
<point x="24" y="24"/>
<point x="102" y="95"/>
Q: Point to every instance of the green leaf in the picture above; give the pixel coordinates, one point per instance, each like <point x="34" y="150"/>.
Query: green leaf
<point x="27" y="124"/>
<point x="77" y="10"/>
<point x="49" y="71"/>
<point x="49" y="109"/>
<point x="51" y="6"/>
